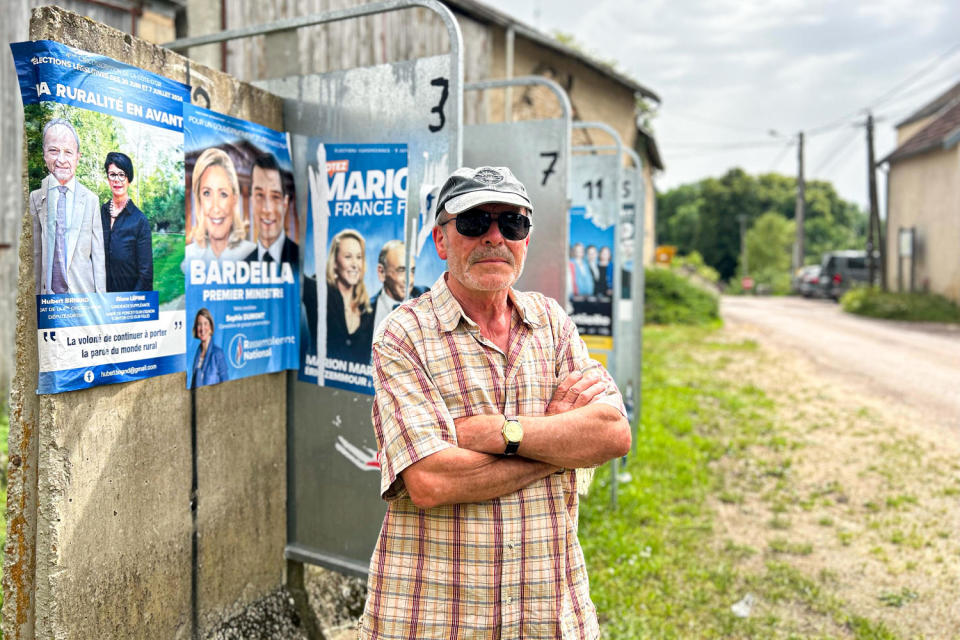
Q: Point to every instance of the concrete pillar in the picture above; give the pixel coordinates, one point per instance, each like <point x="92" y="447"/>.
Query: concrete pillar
<point x="14" y="29"/>
<point x="99" y="522"/>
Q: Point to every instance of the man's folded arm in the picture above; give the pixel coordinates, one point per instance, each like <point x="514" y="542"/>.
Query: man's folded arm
<point x="417" y="436"/>
<point x="455" y="475"/>
<point x="580" y="437"/>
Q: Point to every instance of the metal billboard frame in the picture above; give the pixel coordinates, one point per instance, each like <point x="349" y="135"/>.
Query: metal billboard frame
<point x="618" y="207"/>
<point x="553" y="239"/>
<point x="295" y="551"/>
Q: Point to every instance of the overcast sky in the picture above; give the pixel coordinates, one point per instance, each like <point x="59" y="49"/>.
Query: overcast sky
<point x="730" y="71"/>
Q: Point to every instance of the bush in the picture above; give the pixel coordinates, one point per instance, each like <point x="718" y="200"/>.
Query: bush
<point x="915" y="307"/>
<point x="671" y="299"/>
<point x="693" y="263"/>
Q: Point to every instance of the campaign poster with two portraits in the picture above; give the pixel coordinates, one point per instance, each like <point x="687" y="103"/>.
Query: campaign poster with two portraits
<point x="241" y="258"/>
<point x="354" y="268"/>
<point x="105" y="174"/>
<point x="590" y="277"/>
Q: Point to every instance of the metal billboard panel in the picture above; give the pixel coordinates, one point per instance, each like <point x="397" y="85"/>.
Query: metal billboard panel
<point x="630" y="247"/>
<point x="595" y="183"/>
<point x="405" y="102"/>
<point x="538" y="153"/>
<point x="334" y="510"/>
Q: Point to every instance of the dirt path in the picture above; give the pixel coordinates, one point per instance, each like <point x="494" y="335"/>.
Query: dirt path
<point x="916" y="365"/>
<point x="860" y="487"/>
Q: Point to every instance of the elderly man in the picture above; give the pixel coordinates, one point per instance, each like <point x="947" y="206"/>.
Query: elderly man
<point x="67" y="230"/>
<point x="486" y="402"/>
<point x="270" y="203"/>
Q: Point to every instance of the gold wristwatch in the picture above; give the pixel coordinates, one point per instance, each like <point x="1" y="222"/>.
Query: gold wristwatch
<point x="512" y="434"/>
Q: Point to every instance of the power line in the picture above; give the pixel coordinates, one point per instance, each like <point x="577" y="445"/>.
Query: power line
<point x="723" y="145"/>
<point x="834" y="124"/>
<point x="953" y="77"/>
<point x="715" y="122"/>
<point x="779" y="157"/>
<point x="831" y="156"/>
<point x="906" y="83"/>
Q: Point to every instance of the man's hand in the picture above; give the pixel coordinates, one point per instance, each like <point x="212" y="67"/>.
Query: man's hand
<point x="575" y="391"/>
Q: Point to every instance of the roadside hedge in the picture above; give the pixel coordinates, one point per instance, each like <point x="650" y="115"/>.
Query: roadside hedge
<point x="913" y="307"/>
<point x="672" y="299"/>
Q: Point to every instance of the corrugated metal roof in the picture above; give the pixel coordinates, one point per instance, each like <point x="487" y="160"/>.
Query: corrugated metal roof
<point x="942" y="133"/>
<point x="483" y="13"/>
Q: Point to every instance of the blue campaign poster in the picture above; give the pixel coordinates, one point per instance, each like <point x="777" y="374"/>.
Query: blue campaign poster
<point x="241" y="257"/>
<point x="105" y="171"/>
<point x="429" y="266"/>
<point x="356" y="273"/>
<point x="590" y="273"/>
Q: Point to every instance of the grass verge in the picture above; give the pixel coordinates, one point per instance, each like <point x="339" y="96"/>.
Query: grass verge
<point x="657" y="568"/>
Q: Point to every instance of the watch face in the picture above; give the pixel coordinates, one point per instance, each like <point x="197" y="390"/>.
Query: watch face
<point x="513" y="431"/>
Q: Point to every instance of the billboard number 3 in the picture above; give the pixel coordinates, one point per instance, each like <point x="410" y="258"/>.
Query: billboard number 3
<point x="444" y="85"/>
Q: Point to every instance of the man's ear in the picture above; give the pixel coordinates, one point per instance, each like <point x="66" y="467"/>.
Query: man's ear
<point x="381" y="272"/>
<point x="440" y="241"/>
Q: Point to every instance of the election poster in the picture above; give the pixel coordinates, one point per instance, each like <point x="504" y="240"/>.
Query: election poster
<point x="427" y="261"/>
<point x="590" y="278"/>
<point x="357" y="271"/>
<point x="241" y="257"/>
<point x="105" y="173"/>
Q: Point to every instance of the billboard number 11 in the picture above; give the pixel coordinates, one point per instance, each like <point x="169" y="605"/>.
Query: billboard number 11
<point x="588" y="185"/>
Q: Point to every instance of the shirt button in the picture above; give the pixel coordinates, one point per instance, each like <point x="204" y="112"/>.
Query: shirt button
<point x="509" y="599"/>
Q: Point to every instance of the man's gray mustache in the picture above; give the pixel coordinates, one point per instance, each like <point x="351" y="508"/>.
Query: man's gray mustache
<point x="483" y="254"/>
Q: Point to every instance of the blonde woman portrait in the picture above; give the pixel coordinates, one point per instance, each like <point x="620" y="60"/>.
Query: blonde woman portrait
<point x="349" y="314"/>
<point x="218" y="232"/>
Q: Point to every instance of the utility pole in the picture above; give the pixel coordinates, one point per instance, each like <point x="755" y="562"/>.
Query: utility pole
<point x="742" y="219"/>
<point x="875" y="242"/>
<point x="798" y="249"/>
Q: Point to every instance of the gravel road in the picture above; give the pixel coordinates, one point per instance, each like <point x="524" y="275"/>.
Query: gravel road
<point x="915" y="364"/>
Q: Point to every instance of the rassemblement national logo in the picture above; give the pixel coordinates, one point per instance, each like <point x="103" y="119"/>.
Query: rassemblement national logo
<point x="237" y="357"/>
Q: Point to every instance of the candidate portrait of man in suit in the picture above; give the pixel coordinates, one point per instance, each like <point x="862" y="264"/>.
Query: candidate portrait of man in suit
<point x="392" y="272"/>
<point x="270" y="203"/>
<point x="68" y="252"/>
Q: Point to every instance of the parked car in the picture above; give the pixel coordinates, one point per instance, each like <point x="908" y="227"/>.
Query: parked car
<point x="807" y="281"/>
<point x="841" y="270"/>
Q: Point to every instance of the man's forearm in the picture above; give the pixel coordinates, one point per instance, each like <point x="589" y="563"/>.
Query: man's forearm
<point x="580" y="437"/>
<point x="457" y="475"/>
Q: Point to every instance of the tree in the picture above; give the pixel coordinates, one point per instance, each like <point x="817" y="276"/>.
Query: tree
<point x="769" y="245"/>
<point x="702" y="216"/>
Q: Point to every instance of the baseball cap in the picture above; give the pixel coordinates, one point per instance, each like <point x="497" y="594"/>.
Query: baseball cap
<point x="467" y="188"/>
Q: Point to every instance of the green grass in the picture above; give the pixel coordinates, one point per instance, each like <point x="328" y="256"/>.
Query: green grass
<point x="672" y="299"/>
<point x="168" y="277"/>
<point x="657" y="569"/>
<point x="913" y="307"/>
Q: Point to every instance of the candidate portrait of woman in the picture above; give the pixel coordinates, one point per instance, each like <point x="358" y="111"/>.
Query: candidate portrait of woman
<point x="128" y="252"/>
<point x="209" y="362"/>
<point x="218" y="232"/>
<point x="349" y="314"/>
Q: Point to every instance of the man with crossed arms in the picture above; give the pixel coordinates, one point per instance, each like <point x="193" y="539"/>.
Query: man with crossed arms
<point x="486" y="403"/>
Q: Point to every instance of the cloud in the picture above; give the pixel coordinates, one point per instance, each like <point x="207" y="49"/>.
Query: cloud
<point x="756" y="65"/>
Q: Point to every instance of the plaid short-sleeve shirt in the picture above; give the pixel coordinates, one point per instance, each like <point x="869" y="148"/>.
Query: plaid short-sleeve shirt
<point x="511" y="567"/>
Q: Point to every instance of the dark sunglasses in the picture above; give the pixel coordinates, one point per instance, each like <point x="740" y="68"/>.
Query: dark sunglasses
<point x="475" y="222"/>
